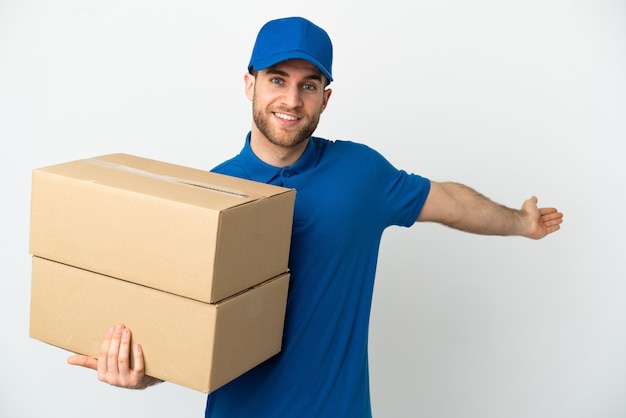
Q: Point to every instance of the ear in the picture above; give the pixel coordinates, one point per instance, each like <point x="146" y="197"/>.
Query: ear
<point x="249" y="81"/>
<point x="327" y="94"/>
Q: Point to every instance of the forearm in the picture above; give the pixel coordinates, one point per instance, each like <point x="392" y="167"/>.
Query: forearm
<point x="463" y="208"/>
<point x="481" y="215"/>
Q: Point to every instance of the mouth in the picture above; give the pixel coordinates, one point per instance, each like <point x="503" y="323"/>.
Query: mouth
<point x="286" y="117"/>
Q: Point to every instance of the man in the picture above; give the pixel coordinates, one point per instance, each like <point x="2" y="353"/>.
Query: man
<point x="347" y="195"/>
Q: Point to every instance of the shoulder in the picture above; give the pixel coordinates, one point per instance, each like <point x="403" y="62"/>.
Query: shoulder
<point x="345" y="149"/>
<point x="231" y="167"/>
<point x="339" y="144"/>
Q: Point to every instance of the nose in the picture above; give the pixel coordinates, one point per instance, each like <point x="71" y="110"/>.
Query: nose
<point x="291" y="97"/>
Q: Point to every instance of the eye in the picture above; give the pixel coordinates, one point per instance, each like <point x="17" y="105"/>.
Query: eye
<point x="276" y="80"/>
<point x="309" y="87"/>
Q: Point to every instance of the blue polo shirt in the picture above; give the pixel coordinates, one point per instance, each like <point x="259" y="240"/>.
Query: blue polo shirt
<point x="346" y="195"/>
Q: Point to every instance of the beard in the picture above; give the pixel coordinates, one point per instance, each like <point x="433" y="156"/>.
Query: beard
<point x="287" y="138"/>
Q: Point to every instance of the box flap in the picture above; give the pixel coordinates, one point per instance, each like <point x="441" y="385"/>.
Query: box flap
<point x="165" y="180"/>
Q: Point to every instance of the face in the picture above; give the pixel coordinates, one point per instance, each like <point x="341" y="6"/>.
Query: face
<point x="287" y="101"/>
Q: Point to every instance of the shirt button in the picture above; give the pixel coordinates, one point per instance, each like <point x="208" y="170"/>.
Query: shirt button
<point x="287" y="173"/>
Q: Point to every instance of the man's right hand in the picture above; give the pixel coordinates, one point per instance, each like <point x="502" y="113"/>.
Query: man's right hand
<point x="113" y="362"/>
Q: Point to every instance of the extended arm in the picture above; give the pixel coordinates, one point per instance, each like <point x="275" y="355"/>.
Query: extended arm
<point x="463" y="208"/>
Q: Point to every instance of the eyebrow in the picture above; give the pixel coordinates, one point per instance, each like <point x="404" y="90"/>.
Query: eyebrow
<point x="275" y="71"/>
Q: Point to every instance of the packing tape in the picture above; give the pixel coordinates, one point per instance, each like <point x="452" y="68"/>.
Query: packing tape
<point x="194" y="183"/>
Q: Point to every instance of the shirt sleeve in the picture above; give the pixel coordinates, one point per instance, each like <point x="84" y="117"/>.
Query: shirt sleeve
<point x="401" y="194"/>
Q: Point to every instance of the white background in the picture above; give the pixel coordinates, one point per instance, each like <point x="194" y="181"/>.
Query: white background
<point x="512" y="98"/>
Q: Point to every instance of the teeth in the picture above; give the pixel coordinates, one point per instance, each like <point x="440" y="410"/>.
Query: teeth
<point x="286" y="117"/>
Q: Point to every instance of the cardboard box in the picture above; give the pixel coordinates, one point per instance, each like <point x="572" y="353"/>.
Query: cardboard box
<point x="191" y="343"/>
<point x="190" y="232"/>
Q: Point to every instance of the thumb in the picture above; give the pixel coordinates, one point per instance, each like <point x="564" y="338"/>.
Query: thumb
<point x="83" y="361"/>
<point x="532" y="200"/>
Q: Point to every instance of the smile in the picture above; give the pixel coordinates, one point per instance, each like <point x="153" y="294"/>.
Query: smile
<point x="285" y="116"/>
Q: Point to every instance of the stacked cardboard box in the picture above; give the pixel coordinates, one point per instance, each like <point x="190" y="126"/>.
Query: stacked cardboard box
<point x="194" y="262"/>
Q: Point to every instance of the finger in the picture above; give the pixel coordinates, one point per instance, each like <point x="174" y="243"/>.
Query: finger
<point x="546" y="211"/>
<point x="139" y="369"/>
<point x="530" y="203"/>
<point x="103" y="354"/>
<point x="123" y="358"/>
<point x="83" y="361"/>
<point x="114" y="349"/>
<point x="553" y="228"/>
<point x="552" y="222"/>
<point x="552" y="217"/>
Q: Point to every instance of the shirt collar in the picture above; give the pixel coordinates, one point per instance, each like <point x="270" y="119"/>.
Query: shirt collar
<point x="259" y="170"/>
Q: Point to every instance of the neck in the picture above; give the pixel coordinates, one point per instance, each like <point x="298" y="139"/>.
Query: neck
<point x="273" y="154"/>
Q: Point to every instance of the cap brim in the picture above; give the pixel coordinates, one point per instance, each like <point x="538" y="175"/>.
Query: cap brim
<point x="262" y="64"/>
